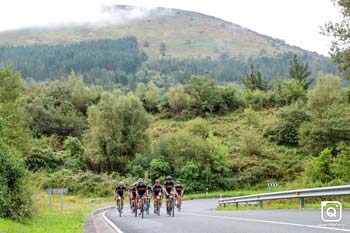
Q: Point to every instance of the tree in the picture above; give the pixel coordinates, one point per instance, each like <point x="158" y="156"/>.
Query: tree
<point x="205" y="94"/>
<point x="286" y="129"/>
<point x="117" y="130"/>
<point x="340" y="31"/>
<point x="74" y="153"/>
<point x="341" y="163"/>
<point x="318" y="168"/>
<point x="12" y="112"/>
<point x="179" y="99"/>
<point x="299" y="71"/>
<point x="253" y="80"/>
<point x="328" y="131"/>
<point x="292" y="91"/>
<point x="325" y="94"/>
<point x="159" y="168"/>
<point x="149" y="95"/>
<point x="162" y="48"/>
<point x="15" y="196"/>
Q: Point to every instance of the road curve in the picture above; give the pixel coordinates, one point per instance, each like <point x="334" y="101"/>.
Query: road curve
<point x="199" y="216"/>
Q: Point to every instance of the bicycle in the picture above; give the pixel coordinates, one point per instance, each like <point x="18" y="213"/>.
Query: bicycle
<point x="158" y="204"/>
<point x="119" y="206"/>
<point x="178" y="203"/>
<point x="171" y="206"/>
<point x="144" y="207"/>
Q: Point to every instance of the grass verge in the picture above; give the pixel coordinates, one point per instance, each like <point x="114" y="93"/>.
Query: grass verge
<point x="70" y="220"/>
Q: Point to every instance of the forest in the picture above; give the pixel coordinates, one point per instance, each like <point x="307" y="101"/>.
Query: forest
<point x="121" y="63"/>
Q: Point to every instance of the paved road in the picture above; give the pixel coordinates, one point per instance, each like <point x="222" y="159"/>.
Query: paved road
<point x="199" y="216"/>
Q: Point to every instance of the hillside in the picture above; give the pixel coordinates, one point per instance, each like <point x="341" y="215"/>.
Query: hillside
<point x="185" y="34"/>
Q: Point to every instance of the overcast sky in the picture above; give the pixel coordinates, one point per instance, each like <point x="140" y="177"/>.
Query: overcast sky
<point x="295" y="21"/>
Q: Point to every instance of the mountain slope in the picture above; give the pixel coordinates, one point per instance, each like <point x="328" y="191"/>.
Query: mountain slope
<point x="185" y="34"/>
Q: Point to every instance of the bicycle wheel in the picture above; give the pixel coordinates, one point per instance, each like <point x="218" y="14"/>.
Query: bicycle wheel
<point x="135" y="209"/>
<point x="158" y="207"/>
<point x="148" y="206"/>
<point x="119" y="209"/>
<point x="142" y="207"/>
<point x="173" y="208"/>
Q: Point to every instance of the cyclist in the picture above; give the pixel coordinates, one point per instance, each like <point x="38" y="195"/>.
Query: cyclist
<point x="149" y="189"/>
<point x="119" y="193"/>
<point x="179" y="193"/>
<point x="132" y="197"/>
<point x="168" y="189"/>
<point x="157" y="192"/>
<point x="141" y="191"/>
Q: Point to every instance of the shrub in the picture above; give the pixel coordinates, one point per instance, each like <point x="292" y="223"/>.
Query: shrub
<point x="251" y="143"/>
<point x="199" y="127"/>
<point x="286" y="129"/>
<point x="318" y="169"/>
<point x="327" y="131"/>
<point x="15" y="202"/>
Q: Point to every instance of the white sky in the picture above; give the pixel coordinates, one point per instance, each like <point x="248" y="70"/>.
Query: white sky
<point x="295" y="21"/>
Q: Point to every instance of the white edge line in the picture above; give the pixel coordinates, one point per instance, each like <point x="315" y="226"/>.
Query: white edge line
<point x="110" y="223"/>
<point x="266" y="221"/>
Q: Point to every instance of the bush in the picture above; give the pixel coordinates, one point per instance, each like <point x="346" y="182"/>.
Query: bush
<point x="259" y="100"/>
<point x="327" y="131"/>
<point x="15" y="196"/>
<point x="286" y="129"/>
<point x="251" y="143"/>
<point x="199" y="127"/>
<point x="318" y="168"/>
<point x="341" y="163"/>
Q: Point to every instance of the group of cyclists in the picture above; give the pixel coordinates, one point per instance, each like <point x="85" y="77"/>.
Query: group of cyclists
<point x="141" y="192"/>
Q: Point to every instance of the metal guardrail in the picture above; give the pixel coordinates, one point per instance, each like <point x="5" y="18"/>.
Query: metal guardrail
<point x="299" y="193"/>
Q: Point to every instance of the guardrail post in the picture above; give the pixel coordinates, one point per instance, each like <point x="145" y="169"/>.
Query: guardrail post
<point x="246" y="203"/>
<point x="302" y="203"/>
<point x="224" y="205"/>
<point x="236" y="204"/>
<point x="261" y="204"/>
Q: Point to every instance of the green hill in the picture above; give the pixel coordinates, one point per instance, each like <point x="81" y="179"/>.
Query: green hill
<point x="185" y="34"/>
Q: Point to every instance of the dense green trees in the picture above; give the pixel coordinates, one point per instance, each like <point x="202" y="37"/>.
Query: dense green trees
<point x="15" y="196"/>
<point x="117" y="131"/>
<point x="111" y="61"/>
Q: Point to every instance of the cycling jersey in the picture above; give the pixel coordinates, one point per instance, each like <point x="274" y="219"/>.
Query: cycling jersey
<point x="178" y="189"/>
<point x="169" y="185"/>
<point x="120" y="190"/>
<point x="157" y="189"/>
<point x="141" y="189"/>
<point x="133" y="191"/>
<point x="149" y="188"/>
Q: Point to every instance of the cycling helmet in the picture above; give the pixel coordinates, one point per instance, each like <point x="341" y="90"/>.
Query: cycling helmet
<point x="121" y="184"/>
<point x="178" y="182"/>
<point x="140" y="180"/>
<point x="169" y="178"/>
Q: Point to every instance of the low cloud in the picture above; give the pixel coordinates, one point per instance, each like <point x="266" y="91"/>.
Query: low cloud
<point x="39" y="13"/>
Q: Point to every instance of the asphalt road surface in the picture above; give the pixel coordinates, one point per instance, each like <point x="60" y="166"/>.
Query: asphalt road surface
<point x="199" y="216"/>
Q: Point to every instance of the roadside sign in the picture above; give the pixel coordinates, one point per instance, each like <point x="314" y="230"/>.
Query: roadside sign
<point x="57" y="191"/>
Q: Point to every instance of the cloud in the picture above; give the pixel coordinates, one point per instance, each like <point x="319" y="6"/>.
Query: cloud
<point x="42" y="13"/>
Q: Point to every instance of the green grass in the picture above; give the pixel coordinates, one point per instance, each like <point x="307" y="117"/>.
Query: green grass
<point x="55" y="221"/>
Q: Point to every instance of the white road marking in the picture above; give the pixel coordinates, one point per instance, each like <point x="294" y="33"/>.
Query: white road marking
<point x="111" y="224"/>
<point x="266" y="221"/>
